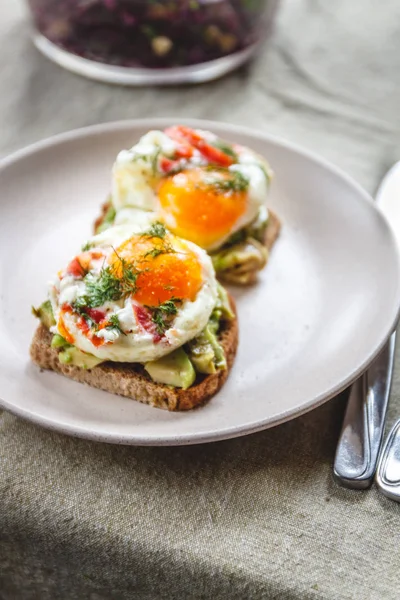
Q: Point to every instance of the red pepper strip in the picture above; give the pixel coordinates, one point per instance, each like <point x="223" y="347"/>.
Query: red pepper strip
<point x="96" y="315"/>
<point x="184" y="134"/>
<point x="84" y="327"/>
<point x="166" y="164"/>
<point x="215" y="155"/>
<point x="144" y="319"/>
<point x="184" y="149"/>
<point x="97" y="341"/>
<point x="62" y="328"/>
<point x="212" y="154"/>
<point x="75" y="268"/>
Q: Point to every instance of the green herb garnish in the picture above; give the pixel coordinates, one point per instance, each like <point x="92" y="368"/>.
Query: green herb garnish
<point x="108" y="286"/>
<point x="114" y="323"/>
<point x="164" y="248"/>
<point x="80" y="306"/>
<point x="237" y="182"/>
<point x="108" y="217"/>
<point x="154" y="162"/>
<point x="226" y="149"/>
<point x="104" y="288"/>
<point x="156" y="230"/>
<point x="86" y="247"/>
<point x="162" y="314"/>
<point x="157" y="251"/>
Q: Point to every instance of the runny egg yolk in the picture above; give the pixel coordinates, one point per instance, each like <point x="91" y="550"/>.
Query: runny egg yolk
<point x="165" y="268"/>
<point x="202" y="205"/>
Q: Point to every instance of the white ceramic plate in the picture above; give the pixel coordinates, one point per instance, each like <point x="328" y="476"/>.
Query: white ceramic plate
<point x="321" y="311"/>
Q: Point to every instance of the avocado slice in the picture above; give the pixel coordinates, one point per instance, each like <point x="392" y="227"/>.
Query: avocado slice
<point x="202" y="357"/>
<point x="173" y="369"/>
<point x="239" y="263"/>
<point x="256" y="230"/>
<point x="206" y="352"/>
<point x="223" y="304"/>
<point x="73" y="356"/>
<point x="59" y="342"/>
<point x="45" y="314"/>
<point x="244" y="253"/>
<point x="258" y="227"/>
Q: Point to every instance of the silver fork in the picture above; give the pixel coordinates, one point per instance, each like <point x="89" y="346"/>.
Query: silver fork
<point x="364" y="421"/>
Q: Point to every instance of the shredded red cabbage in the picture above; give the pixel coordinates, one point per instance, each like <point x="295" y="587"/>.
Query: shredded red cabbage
<point x="153" y="33"/>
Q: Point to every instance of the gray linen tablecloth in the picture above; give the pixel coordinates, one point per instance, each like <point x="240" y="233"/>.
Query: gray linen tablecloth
<point x="257" y="517"/>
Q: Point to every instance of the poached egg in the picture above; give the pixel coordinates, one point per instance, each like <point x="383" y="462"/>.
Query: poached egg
<point x="201" y="187"/>
<point x="134" y="294"/>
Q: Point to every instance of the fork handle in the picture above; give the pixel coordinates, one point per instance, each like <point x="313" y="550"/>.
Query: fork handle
<point x="388" y="472"/>
<point x="364" y="421"/>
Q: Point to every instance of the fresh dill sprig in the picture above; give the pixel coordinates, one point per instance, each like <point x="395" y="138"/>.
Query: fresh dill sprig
<point x="156" y="252"/>
<point x="80" y="306"/>
<point x="163" y="248"/>
<point x="128" y="281"/>
<point x="104" y="288"/>
<point x="157" y="230"/>
<point x="108" y="286"/>
<point x="154" y="162"/>
<point x="236" y="182"/>
<point x="225" y="148"/>
<point x="162" y="314"/>
<point x="114" y="323"/>
<point x="86" y="247"/>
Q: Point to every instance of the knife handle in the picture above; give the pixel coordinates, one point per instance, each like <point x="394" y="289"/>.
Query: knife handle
<point x="364" y="422"/>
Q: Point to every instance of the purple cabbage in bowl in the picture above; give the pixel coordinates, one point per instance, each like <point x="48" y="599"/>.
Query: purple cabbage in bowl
<point x="152" y="33"/>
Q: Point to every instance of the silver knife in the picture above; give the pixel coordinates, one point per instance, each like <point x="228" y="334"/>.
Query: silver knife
<point x="364" y="420"/>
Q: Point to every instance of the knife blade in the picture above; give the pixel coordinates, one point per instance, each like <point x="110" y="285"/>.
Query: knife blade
<point x="364" y="420"/>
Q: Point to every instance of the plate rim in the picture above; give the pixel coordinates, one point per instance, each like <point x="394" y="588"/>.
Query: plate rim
<point x="232" y="431"/>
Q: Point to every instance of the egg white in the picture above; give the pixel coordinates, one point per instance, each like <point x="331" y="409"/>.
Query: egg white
<point x="136" y="345"/>
<point x="134" y="176"/>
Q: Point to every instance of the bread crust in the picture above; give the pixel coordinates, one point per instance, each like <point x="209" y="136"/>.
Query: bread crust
<point x="103" y="211"/>
<point x="273" y="230"/>
<point x="132" y="381"/>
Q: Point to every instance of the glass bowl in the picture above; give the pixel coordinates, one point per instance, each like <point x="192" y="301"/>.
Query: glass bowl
<point x="151" y="41"/>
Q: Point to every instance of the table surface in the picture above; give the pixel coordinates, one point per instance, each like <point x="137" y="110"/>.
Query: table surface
<point x="257" y="517"/>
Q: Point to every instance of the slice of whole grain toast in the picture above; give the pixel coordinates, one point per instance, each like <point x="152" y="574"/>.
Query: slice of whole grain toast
<point x="132" y="381"/>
